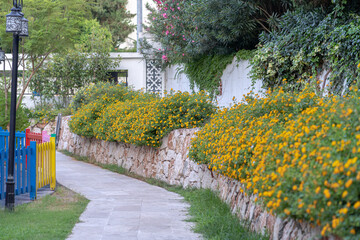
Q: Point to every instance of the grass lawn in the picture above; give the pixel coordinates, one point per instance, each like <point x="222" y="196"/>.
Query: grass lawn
<point x="212" y="217"/>
<point x="51" y="217"/>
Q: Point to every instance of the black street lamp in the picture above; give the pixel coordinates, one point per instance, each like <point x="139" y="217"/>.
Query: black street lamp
<point x="18" y="25"/>
<point x="2" y="59"/>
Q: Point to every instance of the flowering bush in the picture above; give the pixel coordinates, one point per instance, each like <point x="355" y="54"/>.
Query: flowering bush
<point x="90" y="102"/>
<point x="188" y="30"/>
<point x="143" y="119"/>
<point x="297" y="151"/>
<point x="96" y="91"/>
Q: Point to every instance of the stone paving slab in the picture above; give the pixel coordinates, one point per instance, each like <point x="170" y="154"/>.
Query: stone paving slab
<point x="121" y="207"/>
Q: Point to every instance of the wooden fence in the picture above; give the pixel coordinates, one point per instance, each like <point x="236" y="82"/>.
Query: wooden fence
<point x="41" y="170"/>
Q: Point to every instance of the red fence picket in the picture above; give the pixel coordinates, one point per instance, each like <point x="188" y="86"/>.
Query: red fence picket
<point x="31" y="136"/>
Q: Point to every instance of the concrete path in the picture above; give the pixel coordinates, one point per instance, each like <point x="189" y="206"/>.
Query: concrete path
<point x="122" y="207"/>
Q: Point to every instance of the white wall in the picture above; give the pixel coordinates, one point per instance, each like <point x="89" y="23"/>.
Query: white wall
<point x="176" y="81"/>
<point x="235" y="82"/>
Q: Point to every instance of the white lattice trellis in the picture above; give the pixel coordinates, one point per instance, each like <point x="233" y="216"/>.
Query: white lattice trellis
<point x="153" y="76"/>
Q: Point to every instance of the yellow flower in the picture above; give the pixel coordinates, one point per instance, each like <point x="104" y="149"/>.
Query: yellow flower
<point x="348" y="183"/>
<point x="344" y="194"/>
<point x="357" y="205"/>
<point x="343" y="211"/>
<point x="335" y="222"/>
<point x="327" y="193"/>
<point x="286" y="211"/>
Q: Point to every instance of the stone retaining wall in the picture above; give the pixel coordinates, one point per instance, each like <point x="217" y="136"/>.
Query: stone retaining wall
<point x="171" y="164"/>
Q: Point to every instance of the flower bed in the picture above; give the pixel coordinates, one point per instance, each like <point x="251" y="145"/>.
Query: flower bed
<point x="297" y="151"/>
<point x="140" y="118"/>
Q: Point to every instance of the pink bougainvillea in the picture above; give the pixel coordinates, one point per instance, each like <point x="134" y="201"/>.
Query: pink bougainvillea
<point x="167" y="25"/>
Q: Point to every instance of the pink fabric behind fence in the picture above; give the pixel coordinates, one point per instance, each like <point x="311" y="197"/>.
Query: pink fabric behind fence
<point x="45" y="137"/>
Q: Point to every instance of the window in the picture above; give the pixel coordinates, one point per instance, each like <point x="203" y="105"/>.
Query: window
<point x="119" y="77"/>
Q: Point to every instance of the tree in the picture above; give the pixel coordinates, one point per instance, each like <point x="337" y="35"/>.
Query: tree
<point x="113" y="14"/>
<point x="97" y="42"/>
<point x="188" y="30"/>
<point x="66" y="72"/>
<point x="54" y="26"/>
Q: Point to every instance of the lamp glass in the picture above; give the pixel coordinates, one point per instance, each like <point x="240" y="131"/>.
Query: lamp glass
<point x="24" y="27"/>
<point x="13" y="21"/>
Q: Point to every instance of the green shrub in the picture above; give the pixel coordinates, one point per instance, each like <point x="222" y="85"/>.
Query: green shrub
<point x="96" y="91"/>
<point x="22" y="114"/>
<point x="92" y="101"/>
<point x="309" y="44"/>
<point x="116" y="116"/>
<point x="297" y="151"/>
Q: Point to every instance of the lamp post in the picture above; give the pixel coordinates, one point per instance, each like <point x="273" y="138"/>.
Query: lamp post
<point x="18" y="26"/>
<point x="139" y="25"/>
<point x="2" y="59"/>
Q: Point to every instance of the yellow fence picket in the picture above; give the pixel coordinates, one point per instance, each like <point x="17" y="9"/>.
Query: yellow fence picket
<point x="46" y="164"/>
<point x="52" y="163"/>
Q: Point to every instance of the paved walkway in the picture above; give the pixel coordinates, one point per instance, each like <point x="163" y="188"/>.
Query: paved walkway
<point x="122" y="207"/>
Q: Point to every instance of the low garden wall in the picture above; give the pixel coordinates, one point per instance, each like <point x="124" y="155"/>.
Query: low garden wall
<point x="171" y="164"/>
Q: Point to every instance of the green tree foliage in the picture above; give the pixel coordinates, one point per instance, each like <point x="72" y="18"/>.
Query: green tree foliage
<point x="60" y="77"/>
<point x="321" y="44"/>
<point x="66" y="72"/>
<point x="190" y="29"/>
<point x="113" y="14"/>
<point x="206" y="72"/>
<point x="54" y="26"/>
<point x="97" y="42"/>
<point x="200" y="33"/>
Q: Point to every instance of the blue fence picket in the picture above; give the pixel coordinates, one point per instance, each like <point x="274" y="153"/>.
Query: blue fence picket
<point x="32" y="170"/>
<point x="2" y="175"/>
<point x="2" y="138"/>
<point x="23" y="169"/>
<point x="22" y="175"/>
<point x="28" y="153"/>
